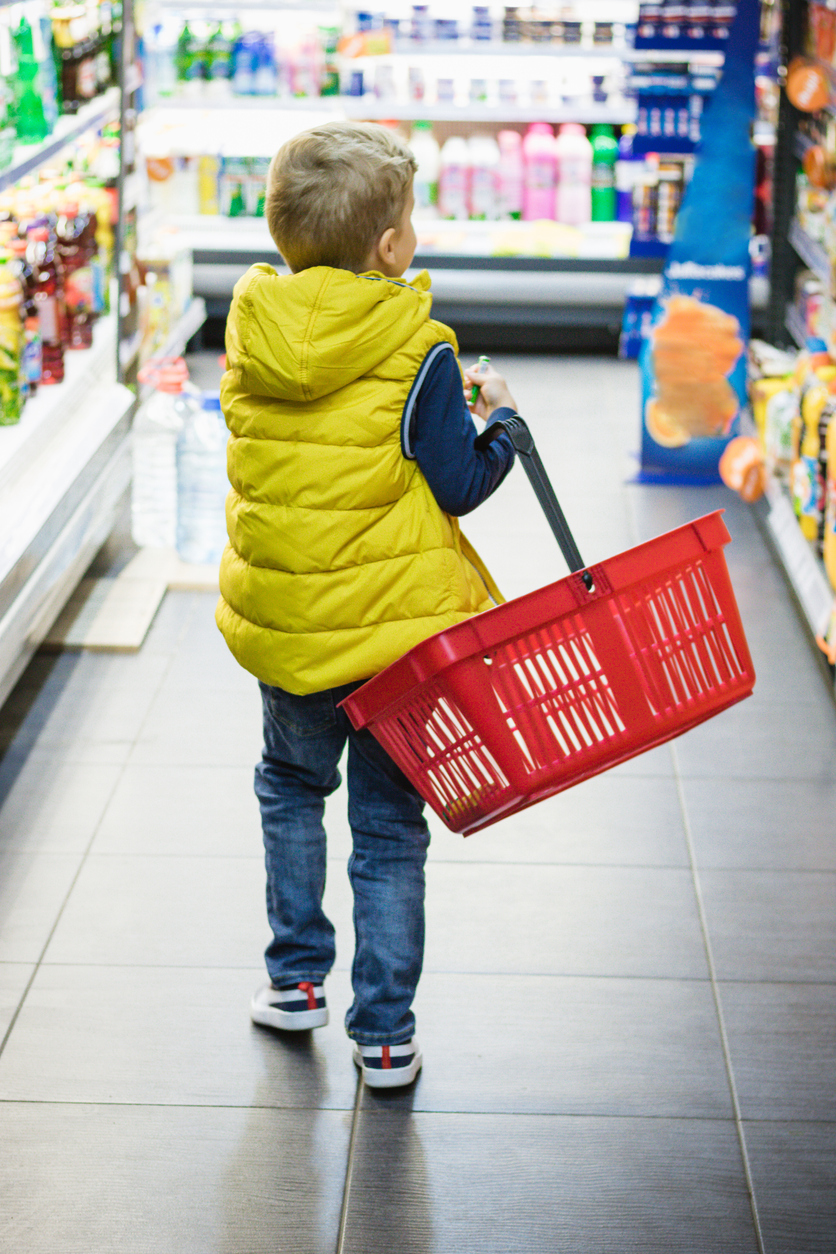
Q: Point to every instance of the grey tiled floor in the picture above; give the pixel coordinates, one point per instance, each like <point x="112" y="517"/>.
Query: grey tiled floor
<point x="628" y="1006"/>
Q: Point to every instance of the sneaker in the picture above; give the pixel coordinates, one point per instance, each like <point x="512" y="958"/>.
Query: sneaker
<point x="388" y="1066"/>
<point x="291" y="1007"/>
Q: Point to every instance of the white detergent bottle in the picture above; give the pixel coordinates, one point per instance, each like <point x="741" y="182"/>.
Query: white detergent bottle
<point x="510" y="175"/>
<point x="202" y="483"/>
<point x="156" y="428"/>
<point x="453" y="178"/>
<point x="427" y="153"/>
<point x="539" y="160"/>
<point x="484" y="177"/>
<point x="573" y="197"/>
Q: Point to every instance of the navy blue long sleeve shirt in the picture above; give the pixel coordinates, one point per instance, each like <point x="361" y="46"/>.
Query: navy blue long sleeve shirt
<point x="438" y="432"/>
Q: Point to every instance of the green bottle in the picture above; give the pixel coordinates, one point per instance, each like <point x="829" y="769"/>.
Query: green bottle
<point x="604" y="157"/>
<point x="30" y="119"/>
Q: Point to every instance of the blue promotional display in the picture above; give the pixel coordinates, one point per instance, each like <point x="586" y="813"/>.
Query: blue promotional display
<point x="693" y="363"/>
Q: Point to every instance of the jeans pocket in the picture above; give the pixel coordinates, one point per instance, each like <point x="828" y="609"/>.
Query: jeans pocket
<point x="303" y="716"/>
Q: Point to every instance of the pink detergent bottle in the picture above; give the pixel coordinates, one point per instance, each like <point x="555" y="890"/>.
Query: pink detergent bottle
<point x="510" y="175"/>
<point x="573" y="195"/>
<point x="540" y="163"/>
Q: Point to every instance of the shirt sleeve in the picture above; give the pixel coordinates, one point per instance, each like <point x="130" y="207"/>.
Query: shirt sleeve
<point x="438" y="432"/>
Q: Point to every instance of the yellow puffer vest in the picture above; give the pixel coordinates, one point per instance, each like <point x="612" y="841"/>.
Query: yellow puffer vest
<point x="340" y="559"/>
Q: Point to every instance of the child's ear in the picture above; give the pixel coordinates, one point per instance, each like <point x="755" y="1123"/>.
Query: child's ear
<point x="386" y="246"/>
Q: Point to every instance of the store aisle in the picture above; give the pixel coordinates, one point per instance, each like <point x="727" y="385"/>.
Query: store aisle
<point x="627" y="1012"/>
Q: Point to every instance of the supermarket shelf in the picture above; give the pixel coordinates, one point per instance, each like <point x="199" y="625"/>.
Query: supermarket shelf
<point x="370" y="108"/>
<point x="63" y="471"/>
<point x="175" y="346"/>
<point x="811" y="252"/>
<point x="795" y="326"/>
<point x="804" y="572"/>
<point x="28" y="157"/>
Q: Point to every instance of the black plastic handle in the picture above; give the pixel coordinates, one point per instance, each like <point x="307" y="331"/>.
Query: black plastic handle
<point x="523" y="442"/>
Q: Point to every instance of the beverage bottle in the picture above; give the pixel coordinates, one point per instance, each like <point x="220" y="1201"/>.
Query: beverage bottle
<point x="245" y="64"/>
<point x="427" y="153"/>
<point x="76" y="246"/>
<point x="453" y="178"/>
<point x="539" y="172"/>
<point x="573" y="198"/>
<point x="604" y="157"/>
<point x="11" y="343"/>
<point x="484" y="177"/>
<point x="219" y="53"/>
<point x="32" y="359"/>
<point x="48" y="296"/>
<point x="154" y="446"/>
<point x="510" y="175"/>
<point x="30" y="120"/>
<point x="163" y="53"/>
<point x="625" y="171"/>
<point x="202" y="483"/>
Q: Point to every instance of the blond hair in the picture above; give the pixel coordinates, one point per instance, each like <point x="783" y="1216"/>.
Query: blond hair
<point x="333" y="190"/>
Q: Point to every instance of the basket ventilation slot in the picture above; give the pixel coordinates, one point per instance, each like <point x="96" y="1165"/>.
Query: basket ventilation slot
<point x="678" y="635"/>
<point x="456" y="766"/>
<point x="554" y="694"/>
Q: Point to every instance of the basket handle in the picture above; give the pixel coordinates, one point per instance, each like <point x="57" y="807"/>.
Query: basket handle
<point x="523" y="441"/>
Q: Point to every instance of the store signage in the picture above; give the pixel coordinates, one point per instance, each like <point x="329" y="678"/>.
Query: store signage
<point x="693" y="362"/>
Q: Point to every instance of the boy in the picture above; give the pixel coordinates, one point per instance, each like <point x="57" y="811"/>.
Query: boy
<point x="351" y="457"/>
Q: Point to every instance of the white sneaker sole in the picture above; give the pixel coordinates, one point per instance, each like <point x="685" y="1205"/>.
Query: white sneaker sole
<point x="394" y="1078"/>
<point x="288" y="1020"/>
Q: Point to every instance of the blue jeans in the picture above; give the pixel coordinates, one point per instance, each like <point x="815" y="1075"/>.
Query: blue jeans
<point x="304" y="738"/>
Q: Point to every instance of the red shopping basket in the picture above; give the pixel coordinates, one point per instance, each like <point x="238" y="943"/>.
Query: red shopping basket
<point x="529" y="698"/>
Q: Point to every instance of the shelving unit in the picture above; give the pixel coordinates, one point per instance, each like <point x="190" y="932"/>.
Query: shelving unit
<point x="66" y="465"/>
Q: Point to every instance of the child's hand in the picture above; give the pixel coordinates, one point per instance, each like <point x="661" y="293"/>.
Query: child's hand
<point x="493" y="390"/>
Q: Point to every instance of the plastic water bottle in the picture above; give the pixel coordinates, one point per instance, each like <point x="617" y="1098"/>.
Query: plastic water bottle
<point x="510" y="175"/>
<point x="427" y="153"/>
<point x="156" y="428"/>
<point x="202" y="483"/>
<point x="539" y="172"/>
<point x="453" y="178"/>
<point x="484" y="179"/>
<point x="573" y="198"/>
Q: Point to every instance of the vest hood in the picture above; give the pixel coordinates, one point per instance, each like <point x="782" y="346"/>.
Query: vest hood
<point x="303" y="336"/>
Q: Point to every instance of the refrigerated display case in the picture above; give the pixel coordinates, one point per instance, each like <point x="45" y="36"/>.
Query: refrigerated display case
<point x="466" y="70"/>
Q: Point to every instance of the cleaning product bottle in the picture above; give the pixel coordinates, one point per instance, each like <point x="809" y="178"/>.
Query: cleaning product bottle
<point x="573" y="197"/>
<point x="510" y="175"/>
<point x="484" y="165"/>
<point x="30" y="121"/>
<point x="539" y="172"/>
<point x="11" y="342"/>
<point x="202" y="483"/>
<point x="453" y="178"/>
<point x="154" y="439"/>
<point x="604" y="156"/>
<point x="427" y="153"/>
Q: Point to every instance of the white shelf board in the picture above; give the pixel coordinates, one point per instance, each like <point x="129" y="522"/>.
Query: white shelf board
<point x="48" y="410"/>
<point x="370" y="108"/>
<point x="28" y="157"/>
<point x="804" y="570"/>
<point x="811" y="252"/>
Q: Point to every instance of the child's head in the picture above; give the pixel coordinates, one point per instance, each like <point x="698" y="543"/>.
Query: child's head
<point x="335" y="191"/>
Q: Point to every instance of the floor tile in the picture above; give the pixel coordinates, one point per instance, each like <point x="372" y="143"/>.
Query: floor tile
<point x="429" y="1184"/>
<point x="197" y="811"/>
<point x="54" y="809"/>
<point x="612" y="819"/>
<point x="782" y="1039"/>
<point x="33" y="888"/>
<point x="750" y="741"/>
<point x="772" y="925"/>
<point x="127" y="1180"/>
<point x="552" y="1045"/>
<point x="214" y="727"/>
<point x="763" y="824"/>
<point x="793" y="1167"/>
<point x="177" y="911"/>
<point x="170" y="1036"/>
<point x="563" y="920"/>
<point x="14" y="976"/>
